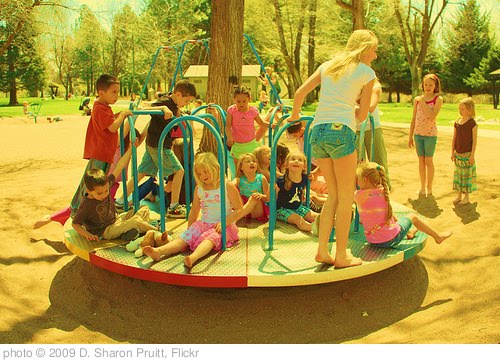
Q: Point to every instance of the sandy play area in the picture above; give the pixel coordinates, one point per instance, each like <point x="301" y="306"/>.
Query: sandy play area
<point x="449" y="293"/>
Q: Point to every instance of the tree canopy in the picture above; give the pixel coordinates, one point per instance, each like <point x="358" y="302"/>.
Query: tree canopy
<point x="294" y="37"/>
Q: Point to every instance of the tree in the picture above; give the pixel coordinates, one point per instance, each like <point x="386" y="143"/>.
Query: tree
<point x="64" y="59"/>
<point x="21" y="64"/>
<point x="170" y="23"/>
<point x="16" y="13"/>
<point x="292" y="61"/>
<point x="33" y="74"/>
<point x="88" y="48"/>
<point x="225" y="60"/>
<point x="356" y="8"/>
<point x="122" y="32"/>
<point x="481" y="79"/>
<point x="311" y="59"/>
<point x="467" y="43"/>
<point x="391" y="66"/>
<point x="416" y="25"/>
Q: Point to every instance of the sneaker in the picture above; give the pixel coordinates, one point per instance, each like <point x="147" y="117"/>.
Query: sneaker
<point x="315" y="207"/>
<point x="130" y="235"/>
<point x="315" y="225"/>
<point x="177" y="212"/>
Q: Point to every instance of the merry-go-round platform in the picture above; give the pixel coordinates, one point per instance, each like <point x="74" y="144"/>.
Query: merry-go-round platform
<point x="248" y="263"/>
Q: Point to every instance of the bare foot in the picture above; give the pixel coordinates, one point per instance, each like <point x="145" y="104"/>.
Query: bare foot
<point x="443" y="236"/>
<point x="348" y="261"/>
<point x="411" y="234"/>
<point x="165" y="239"/>
<point x="325" y="259"/>
<point x="151" y="252"/>
<point x="422" y="193"/>
<point x="457" y="199"/>
<point x="149" y="239"/>
<point x="464" y="202"/>
<point x="188" y="262"/>
<point x="42" y="222"/>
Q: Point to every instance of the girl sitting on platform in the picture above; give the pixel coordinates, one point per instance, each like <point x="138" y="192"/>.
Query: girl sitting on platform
<point x="382" y="228"/>
<point x="263" y="154"/>
<point x="203" y="236"/>
<point x="253" y="186"/>
<point x="291" y="194"/>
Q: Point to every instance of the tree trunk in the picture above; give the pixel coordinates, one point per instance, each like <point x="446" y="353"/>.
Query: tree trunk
<point x="225" y="60"/>
<point x="416" y="79"/>
<point x="311" y="58"/>
<point x="416" y="30"/>
<point x="356" y="7"/>
<point x="11" y="59"/>
<point x="293" y="68"/>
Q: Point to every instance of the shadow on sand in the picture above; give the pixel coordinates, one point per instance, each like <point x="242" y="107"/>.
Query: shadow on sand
<point x="467" y="213"/>
<point x="135" y="311"/>
<point x="426" y="206"/>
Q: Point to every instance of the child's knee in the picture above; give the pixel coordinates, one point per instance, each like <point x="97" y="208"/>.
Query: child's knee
<point x="412" y="217"/>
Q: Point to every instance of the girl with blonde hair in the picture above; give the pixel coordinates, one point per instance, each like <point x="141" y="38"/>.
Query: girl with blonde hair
<point x="463" y="149"/>
<point x="253" y="187"/>
<point x="343" y="80"/>
<point x="291" y="194"/>
<point x="382" y="228"/>
<point x="203" y="236"/>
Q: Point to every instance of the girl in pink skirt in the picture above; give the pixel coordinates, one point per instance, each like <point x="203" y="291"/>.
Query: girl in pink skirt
<point x="203" y="236"/>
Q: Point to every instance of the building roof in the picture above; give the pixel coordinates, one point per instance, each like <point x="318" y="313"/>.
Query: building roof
<point x="250" y="70"/>
<point x="494" y="75"/>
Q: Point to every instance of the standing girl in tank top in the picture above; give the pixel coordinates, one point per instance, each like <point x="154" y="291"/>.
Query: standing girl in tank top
<point x="343" y="79"/>
<point x="423" y="130"/>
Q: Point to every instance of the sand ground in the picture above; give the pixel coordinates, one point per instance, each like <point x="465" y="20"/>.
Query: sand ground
<point x="449" y="293"/>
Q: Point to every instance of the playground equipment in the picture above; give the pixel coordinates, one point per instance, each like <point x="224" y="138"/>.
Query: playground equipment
<point x="85" y="106"/>
<point x="267" y="255"/>
<point x="33" y="111"/>
<point x="179" y="49"/>
<point x="285" y="260"/>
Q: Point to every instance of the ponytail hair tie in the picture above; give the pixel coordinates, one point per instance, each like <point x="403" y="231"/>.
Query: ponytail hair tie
<point x="379" y="168"/>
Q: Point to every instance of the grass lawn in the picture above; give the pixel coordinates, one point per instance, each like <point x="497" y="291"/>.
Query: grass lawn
<point x="402" y="113"/>
<point x="50" y="107"/>
<point x="391" y="112"/>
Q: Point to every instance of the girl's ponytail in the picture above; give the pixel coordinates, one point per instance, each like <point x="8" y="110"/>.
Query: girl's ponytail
<point x="385" y="185"/>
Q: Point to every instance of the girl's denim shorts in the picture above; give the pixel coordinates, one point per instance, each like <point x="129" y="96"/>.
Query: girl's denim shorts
<point x="425" y="145"/>
<point x="332" y="140"/>
<point x="405" y="224"/>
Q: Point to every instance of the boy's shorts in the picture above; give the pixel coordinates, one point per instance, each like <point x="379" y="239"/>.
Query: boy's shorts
<point x="332" y="140"/>
<point x="239" y="149"/>
<point x="405" y="224"/>
<point x="425" y="145"/>
<point x="149" y="162"/>
<point x="283" y="214"/>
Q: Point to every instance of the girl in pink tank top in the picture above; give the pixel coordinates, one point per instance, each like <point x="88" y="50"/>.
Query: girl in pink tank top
<point x="382" y="228"/>
<point x="423" y="130"/>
